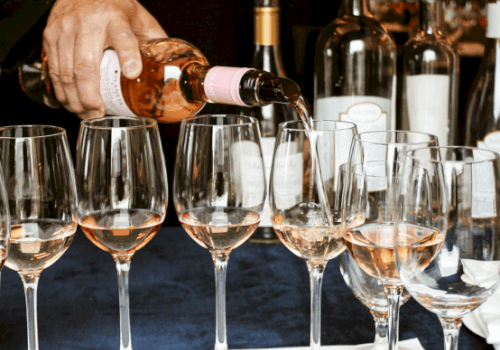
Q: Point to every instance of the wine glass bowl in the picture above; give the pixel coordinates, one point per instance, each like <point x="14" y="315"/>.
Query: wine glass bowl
<point x="42" y="199"/>
<point x="213" y="229"/>
<point x="219" y="191"/>
<point x="452" y="193"/>
<point x="367" y="289"/>
<point x="122" y="190"/>
<point x="304" y="185"/>
<point x="304" y="197"/>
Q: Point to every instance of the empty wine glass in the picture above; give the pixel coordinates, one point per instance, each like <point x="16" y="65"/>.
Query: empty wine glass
<point x="448" y="238"/>
<point x="370" y="291"/>
<point x="305" y="206"/>
<point x="369" y="206"/>
<point x="219" y="191"/>
<point x="40" y="182"/>
<point x="122" y="192"/>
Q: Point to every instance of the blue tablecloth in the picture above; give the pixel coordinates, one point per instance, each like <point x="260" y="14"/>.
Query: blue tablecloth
<point x="172" y="299"/>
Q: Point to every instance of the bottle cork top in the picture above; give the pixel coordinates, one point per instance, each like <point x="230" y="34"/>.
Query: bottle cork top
<point x="266" y="3"/>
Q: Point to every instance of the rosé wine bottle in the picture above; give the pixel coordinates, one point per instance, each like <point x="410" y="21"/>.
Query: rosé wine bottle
<point x="176" y="81"/>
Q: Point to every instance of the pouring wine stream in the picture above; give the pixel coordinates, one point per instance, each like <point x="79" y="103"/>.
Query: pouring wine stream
<point x="297" y="100"/>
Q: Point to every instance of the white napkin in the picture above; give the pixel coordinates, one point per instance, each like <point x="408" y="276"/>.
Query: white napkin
<point x="483" y="274"/>
<point x="485" y="320"/>
<point x="410" y="344"/>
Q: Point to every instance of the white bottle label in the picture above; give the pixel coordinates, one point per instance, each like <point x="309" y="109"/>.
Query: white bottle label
<point x="491" y="141"/>
<point x="111" y="90"/>
<point x="428" y="104"/>
<point x="267" y="144"/>
<point x="287" y="176"/>
<point x="493" y="21"/>
<point x="248" y="171"/>
<point x="369" y="113"/>
<point x="483" y="183"/>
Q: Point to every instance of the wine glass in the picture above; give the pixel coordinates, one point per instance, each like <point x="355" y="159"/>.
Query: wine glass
<point x="369" y="204"/>
<point x="40" y="182"/>
<point x="370" y="291"/>
<point x="367" y="289"/>
<point x="219" y="191"/>
<point x="305" y="206"/>
<point x="122" y="192"/>
<point x="448" y="238"/>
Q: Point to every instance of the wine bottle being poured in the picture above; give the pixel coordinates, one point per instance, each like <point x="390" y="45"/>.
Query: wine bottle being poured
<point x="176" y="81"/>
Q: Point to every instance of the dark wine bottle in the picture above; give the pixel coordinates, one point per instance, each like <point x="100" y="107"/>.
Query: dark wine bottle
<point x="267" y="57"/>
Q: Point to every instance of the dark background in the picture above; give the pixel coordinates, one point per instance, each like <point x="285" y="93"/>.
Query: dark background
<point x="221" y="29"/>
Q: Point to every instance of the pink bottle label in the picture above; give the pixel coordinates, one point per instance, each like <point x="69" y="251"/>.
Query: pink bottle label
<point x="222" y="85"/>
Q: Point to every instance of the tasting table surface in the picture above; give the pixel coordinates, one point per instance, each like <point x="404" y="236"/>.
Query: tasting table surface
<point x="172" y="300"/>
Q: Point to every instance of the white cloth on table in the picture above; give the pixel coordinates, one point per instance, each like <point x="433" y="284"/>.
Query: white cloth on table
<point x="485" y="320"/>
<point x="410" y="344"/>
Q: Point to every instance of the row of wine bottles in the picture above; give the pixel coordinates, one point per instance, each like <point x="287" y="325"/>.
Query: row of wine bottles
<point x="355" y="79"/>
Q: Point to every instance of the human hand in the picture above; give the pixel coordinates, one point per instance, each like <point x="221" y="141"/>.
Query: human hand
<point x="77" y="33"/>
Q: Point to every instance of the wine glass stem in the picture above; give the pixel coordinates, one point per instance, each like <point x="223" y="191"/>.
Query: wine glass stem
<point x="381" y="330"/>
<point x="451" y="330"/>
<point x="220" y="262"/>
<point x="123" y="268"/>
<point x="30" y="283"/>
<point x="316" y="277"/>
<point x="393" y="298"/>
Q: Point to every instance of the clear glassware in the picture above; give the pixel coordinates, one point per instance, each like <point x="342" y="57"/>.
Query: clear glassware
<point x="4" y="223"/>
<point x="267" y="57"/>
<point x="219" y="191"/>
<point x="369" y="205"/>
<point x="305" y="206"/>
<point x="429" y="98"/>
<point x="370" y="291"/>
<point x="355" y="70"/>
<point x="41" y="191"/>
<point x="367" y="289"/>
<point x="447" y="234"/>
<point x="122" y="193"/>
<point x="484" y="99"/>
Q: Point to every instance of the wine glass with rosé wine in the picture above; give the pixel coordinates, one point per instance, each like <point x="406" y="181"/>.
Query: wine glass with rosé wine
<point x="367" y="289"/>
<point x="41" y="191"/>
<point x="304" y="201"/>
<point x="219" y="191"/>
<point x="122" y="193"/>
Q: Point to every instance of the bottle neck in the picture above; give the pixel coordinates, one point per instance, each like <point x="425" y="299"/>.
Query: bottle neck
<point x="431" y="17"/>
<point x="267" y="54"/>
<point x="266" y="26"/>
<point x="355" y="8"/>
<point x="236" y="86"/>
